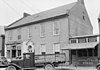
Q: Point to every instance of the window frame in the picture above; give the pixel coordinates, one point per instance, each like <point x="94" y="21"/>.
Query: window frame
<point x="42" y="30"/>
<point x="56" y="50"/>
<point x="19" y="33"/>
<point x="43" y="49"/>
<point x="58" y="24"/>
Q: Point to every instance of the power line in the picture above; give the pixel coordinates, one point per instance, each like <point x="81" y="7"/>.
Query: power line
<point x="26" y="5"/>
<point x="10" y="6"/>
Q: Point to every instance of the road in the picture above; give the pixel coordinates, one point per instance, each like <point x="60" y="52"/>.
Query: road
<point x="68" y="68"/>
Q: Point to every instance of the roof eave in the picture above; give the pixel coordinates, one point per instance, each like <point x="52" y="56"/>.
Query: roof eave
<point x="30" y="23"/>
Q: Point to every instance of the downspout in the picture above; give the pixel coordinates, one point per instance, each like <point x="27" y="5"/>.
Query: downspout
<point x="70" y="57"/>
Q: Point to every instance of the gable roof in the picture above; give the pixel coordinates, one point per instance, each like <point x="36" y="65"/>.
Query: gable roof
<point x="43" y="15"/>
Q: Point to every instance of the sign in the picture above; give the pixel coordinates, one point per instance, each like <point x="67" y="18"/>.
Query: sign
<point x="87" y="61"/>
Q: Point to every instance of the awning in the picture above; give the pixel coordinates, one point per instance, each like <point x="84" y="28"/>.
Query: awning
<point x="80" y="45"/>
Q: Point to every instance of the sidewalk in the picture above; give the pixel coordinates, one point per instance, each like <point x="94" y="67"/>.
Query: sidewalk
<point x="75" y="68"/>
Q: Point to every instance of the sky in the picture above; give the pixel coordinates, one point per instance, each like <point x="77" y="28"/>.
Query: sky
<point x="12" y="10"/>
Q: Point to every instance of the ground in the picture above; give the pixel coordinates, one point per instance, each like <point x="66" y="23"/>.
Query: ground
<point x="68" y="68"/>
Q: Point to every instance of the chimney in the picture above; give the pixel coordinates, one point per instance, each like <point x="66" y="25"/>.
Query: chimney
<point x="81" y="1"/>
<point x="25" y="14"/>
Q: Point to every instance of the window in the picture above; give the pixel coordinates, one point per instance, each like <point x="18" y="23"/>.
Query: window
<point x="82" y="40"/>
<point x="8" y="53"/>
<point x="83" y="18"/>
<point x="79" y="52"/>
<point x="92" y="39"/>
<point x="19" y="37"/>
<point x="29" y="31"/>
<point x="43" y="48"/>
<point x="56" y="28"/>
<point x="96" y="51"/>
<point x="13" y="53"/>
<point x="83" y="15"/>
<point x="42" y="30"/>
<point x="19" y="52"/>
<point x="10" y="35"/>
<point x="90" y="52"/>
<point x="29" y="48"/>
<point x="56" y="48"/>
<point x="19" y="34"/>
<point x="73" y="41"/>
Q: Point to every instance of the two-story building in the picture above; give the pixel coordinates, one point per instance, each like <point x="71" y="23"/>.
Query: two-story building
<point x="84" y="50"/>
<point x="48" y="31"/>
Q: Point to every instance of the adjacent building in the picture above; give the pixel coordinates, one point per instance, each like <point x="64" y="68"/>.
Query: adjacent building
<point x="2" y="41"/>
<point x="84" y="50"/>
<point x="47" y="32"/>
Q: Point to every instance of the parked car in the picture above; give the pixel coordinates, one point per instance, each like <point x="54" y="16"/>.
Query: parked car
<point x="3" y="62"/>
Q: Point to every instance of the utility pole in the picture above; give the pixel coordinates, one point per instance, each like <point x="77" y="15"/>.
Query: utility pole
<point x="99" y="40"/>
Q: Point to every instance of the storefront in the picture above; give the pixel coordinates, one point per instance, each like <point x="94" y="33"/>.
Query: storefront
<point x="83" y="54"/>
<point x="13" y="50"/>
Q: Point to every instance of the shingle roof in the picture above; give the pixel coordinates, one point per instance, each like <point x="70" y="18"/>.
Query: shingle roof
<point x="43" y="15"/>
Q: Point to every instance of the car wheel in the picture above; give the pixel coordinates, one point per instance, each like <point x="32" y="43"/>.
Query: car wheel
<point x="49" y="67"/>
<point x="11" y="68"/>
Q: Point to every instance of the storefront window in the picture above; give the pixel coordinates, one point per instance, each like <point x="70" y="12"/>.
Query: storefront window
<point x="84" y="52"/>
<point x="96" y="51"/>
<point x="79" y="52"/>
<point x="90" y="52"/>
<point x="13" y="53"/>
<point x="73" y="52"/>
<point x="87" y="52"/>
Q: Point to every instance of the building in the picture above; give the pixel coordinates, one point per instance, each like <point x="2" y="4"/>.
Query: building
<point x="2" y="41"/>
<point x="84" y="50"/>
<point x="2" y="45"/>
<point x="49" y="31"/>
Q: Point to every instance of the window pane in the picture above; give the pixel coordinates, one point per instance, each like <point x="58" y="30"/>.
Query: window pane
<point x="84" y="52"/>
<point x="96" y="51"/>
<point x="19" y="33"/>
<point x="79" y="52"/>
<point x="92" y="39"/>
<point x="56" y="47"/>
<point x="90" y="52"/>
<point x="19" y="52"/>
<point x="73" y="41"/>
<point x="13" y="53"/>
<point x="56" y="27"/>
<point x="82" y="40"/>
<point x="43" y="48"/>
<point x="42" y="29"/>
<point x="8" y="53"/>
